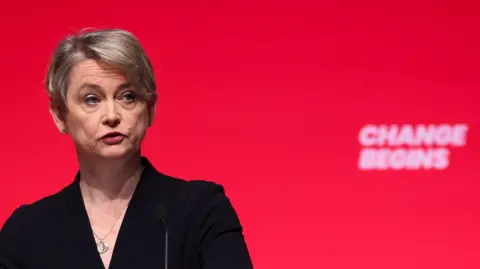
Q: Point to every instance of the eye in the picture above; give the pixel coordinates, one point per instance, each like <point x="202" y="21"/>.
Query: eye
<point x="129" y="97"/>
<point x="91" y="99"/>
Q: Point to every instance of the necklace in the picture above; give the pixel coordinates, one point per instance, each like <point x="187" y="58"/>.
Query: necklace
<point x="102" y="246"/>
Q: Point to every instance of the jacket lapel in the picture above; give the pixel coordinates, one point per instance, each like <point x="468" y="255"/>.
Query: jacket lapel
<point x="77" y="231"/>
<point x="141" y="239"/>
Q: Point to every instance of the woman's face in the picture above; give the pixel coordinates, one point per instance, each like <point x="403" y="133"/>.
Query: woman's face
<point x="105" y="117"/>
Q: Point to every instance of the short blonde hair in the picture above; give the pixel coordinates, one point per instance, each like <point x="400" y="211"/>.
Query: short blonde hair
<point x="117" y="48"/>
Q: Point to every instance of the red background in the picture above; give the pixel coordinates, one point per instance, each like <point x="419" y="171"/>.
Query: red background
<point x="267" y="98"/>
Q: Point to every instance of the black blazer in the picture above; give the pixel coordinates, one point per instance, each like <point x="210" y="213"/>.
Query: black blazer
<point x="204" y="231"/>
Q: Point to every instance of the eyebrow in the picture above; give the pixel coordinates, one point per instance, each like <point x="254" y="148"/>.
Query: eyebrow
<point x="98" y="87"/>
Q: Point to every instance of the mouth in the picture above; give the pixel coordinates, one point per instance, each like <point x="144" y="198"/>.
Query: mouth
<point x="113" y="138"/>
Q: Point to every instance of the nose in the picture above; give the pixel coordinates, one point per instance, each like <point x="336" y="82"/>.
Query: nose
<point x="111" y="117"/>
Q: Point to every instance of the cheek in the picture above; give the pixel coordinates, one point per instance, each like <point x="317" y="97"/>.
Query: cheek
<point x="137" y="122"/>
<point x="83" y="126"/>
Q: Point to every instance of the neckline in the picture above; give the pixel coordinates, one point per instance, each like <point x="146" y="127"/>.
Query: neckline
<point x="135" y="204"/>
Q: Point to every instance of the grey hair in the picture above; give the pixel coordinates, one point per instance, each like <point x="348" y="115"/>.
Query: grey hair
<point x="117" y="48"/>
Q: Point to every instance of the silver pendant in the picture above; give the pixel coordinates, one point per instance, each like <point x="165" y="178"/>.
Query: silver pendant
<point x="102" y="247"/>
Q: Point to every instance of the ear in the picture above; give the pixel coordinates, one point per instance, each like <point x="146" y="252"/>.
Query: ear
<point x="57" y="116"/>
<point x="152" y="109"/>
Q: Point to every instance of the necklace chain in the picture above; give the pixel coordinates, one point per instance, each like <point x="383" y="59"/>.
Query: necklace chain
<point x="103" y="247"/>
<point x="118" y="219"/>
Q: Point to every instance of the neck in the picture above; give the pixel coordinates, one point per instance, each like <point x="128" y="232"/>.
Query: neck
<point x="105" y="181"/>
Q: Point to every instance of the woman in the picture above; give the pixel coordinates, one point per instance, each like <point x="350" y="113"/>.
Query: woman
<point x="119" y="212"/>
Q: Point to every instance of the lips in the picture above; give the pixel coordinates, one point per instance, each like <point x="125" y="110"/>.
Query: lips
<point x="113" y="138"/>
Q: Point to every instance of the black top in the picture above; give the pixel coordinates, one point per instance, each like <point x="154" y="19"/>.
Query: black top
<point x="203" y="229"/>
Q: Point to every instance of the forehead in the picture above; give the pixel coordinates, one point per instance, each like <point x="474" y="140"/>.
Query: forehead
<point x="91" y="71"/>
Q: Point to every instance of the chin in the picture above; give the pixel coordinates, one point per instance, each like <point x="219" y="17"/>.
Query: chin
<point x="114" y="152"/>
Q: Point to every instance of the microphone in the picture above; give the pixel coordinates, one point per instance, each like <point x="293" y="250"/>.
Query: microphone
<point x="162" y="213"/>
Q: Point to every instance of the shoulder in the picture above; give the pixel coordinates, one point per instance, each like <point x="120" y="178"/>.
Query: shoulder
<point x="194" y="193"/>
<point x="24" y="224"/>
<point x="210" y="205"/>
<point x="211" y="226"/>
<point x="201" y="190"/>
<point x="27" y="215"/>
<point x="201" y="201"/>
<point x="178" y="194"/>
